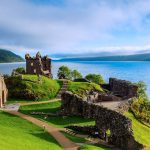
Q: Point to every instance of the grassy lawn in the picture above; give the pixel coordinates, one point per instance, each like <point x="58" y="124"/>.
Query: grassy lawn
<point x="81" y="87"/>
<point x="58" y="120"/>
<point x="141" y="132"/>
<point x="93" y="147"/>
<point x="19" y="134"/>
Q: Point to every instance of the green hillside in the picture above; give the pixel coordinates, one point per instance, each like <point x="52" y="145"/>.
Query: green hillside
<point x="8" y="56"/>
<point x="29" y="88"/>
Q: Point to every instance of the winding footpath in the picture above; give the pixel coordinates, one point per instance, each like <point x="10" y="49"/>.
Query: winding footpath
<point x="54" y="131"/>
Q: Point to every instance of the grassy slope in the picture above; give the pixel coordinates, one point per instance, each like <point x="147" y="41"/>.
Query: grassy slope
<point x="81" y="87"/>
<point x="19" y="134"/>
<point x="48" y="89"/>
<point x="93" y="147"/>
<point x="29" y="88"/>
<point x="141" y="132"/>
<point x="56" y="121"/>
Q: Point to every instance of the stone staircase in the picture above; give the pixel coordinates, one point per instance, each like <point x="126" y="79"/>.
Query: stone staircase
<point x="63" y="88"/>
<point x="89" y="139"/>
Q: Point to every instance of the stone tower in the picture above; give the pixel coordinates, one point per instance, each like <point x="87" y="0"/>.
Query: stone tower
<point x="38" y="65"/>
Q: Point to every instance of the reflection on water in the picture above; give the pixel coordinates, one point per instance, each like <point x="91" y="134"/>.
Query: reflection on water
<point x="133" y="71"/>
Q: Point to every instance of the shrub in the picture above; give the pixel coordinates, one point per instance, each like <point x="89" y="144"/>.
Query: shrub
<point x="67" y="73"/>
<point x="142" y="89"/>
<point x="76" y="74"/>
<point x="64" y="70"/>
<point x="141" y="105"/>
<point x="96" y="78"/>
<point x="20" y="70"/>
<point x="141" y="109"/>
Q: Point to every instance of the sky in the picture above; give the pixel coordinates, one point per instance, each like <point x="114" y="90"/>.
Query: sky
<point x="75" y="26"/>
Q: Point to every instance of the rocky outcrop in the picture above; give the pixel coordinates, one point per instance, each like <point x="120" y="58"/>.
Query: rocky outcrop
<point x="119" y="125"/>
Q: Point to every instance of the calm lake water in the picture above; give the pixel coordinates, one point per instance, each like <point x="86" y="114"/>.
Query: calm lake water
<point x="132" y="71"/>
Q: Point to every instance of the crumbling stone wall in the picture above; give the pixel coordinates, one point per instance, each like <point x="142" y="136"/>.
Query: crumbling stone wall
<point x="122" y="88"/>
<point x="3" y="91"/>
<point x="119" y="125"/>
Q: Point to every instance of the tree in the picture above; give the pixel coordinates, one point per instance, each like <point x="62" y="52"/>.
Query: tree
<point x="65" y="71"/>
<point x="20" y="70"/>
<point x="96" y="78"/>
<point x="17" y="71"/>
<point x="76" y="74"/>
<point x="142" y="90"/>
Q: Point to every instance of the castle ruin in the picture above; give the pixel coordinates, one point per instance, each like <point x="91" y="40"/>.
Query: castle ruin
<point x="96" y="106"/>
<point x="38" y="65"/>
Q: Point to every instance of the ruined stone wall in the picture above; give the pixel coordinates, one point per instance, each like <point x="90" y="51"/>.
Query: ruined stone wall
<point x="123" y="88"/>
<point x="33" y="66"/>
<point x="3" y="91"/>
<point x="119" y="125"/>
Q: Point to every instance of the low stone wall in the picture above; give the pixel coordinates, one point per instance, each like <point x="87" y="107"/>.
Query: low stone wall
<point x="119" y="125"/>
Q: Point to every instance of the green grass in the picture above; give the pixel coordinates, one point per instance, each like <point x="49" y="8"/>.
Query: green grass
<point x="30" y="89"/>
<point x="19" y="134"/>
<point x="58" y="121"/>
<point x="80" y="88"/>
<point x="141" y="131"/>
<point x="93" y="147"/>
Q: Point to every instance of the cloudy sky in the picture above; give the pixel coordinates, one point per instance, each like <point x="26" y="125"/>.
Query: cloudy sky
<point x="75" y="26"/>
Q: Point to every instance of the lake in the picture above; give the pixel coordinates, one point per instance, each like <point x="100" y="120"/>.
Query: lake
<point x="132" y="71"/>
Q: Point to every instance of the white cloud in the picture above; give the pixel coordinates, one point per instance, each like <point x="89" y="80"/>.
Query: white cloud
<point x="74" y="26"/>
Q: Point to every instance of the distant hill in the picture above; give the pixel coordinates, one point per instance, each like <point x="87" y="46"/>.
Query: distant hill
<point x="136" y="57"/>
<point x="8" y="56"/>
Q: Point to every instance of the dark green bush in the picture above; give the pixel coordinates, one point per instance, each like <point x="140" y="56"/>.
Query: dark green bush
<point x="96" y="78"/>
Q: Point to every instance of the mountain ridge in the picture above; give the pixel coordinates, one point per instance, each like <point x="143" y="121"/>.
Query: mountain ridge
<point x="7" y="56"/>
<point x="134" y="57"/>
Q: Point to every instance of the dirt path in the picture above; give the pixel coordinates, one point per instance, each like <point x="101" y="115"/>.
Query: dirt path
<point x="55" y="132"/>
<point x="40" y="102"/>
